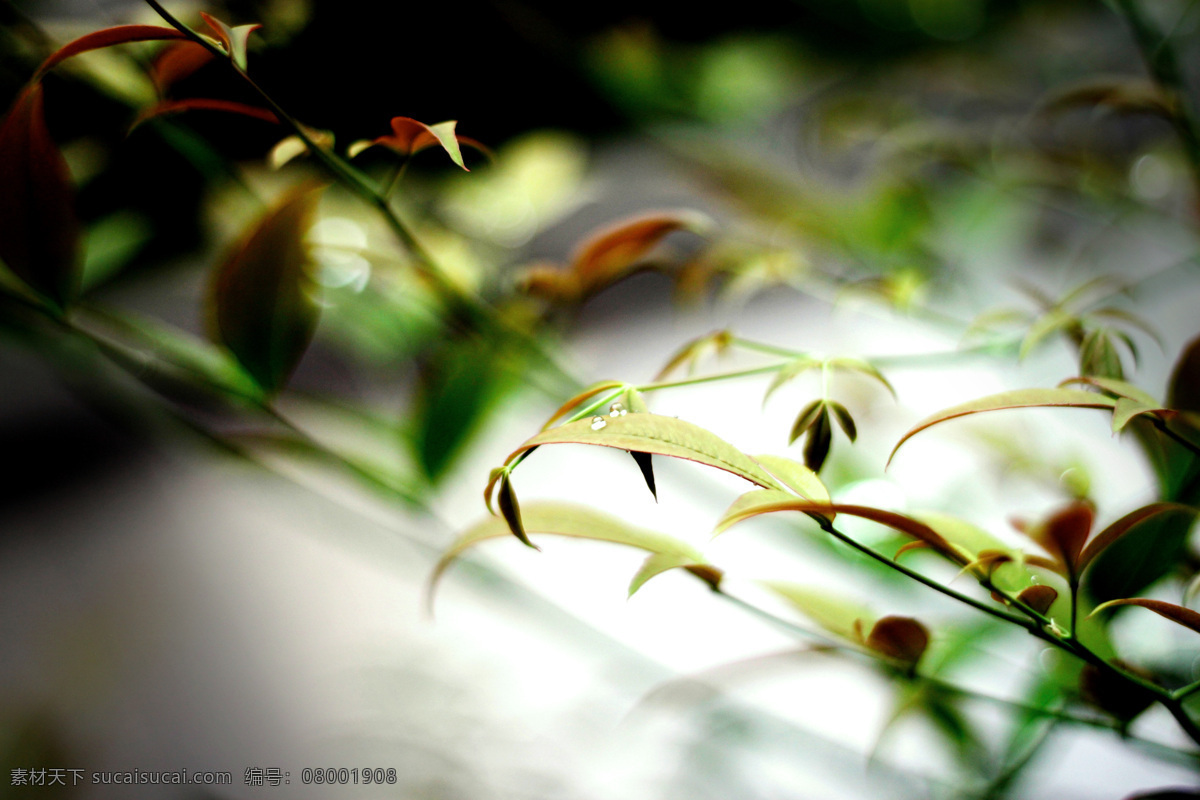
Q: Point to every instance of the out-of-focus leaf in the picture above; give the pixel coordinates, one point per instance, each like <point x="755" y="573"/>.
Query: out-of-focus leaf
<point x="845" y="421"/>
<point x="789" y="371"/>
<point x="645" y="463"/>
<point x="235" y="39"/>
<point x="1039" y="597"/>
<point x="261" y="300"/>
<point x="1119" y="94"/>
<point x="820" y="437"/>
<point x="510" y="510"/>
<point x="292" y="147"/>
<point x="715" y="343"/>
<point x="1126" y="524"/>
<point x="176" y="62"/>
<point x="805" y="419"/>
<point x="204" y="104"/>
<point x="1046" y="325"/>
<point x="1119" y="697"/>
<point x="39" y="232"/>
<point x="586" y="394"/>
<point x="1098" y="355"/>
<point x="658" y="563"/>
<point x="652" y="433"/>
<point x="1064" y="533"/>
<point x="863" y="368"/>
<point x="409" y="137"/>
<point x="1115" y="387"/>
<point x="1183" y="392"/>
<point x="1019" y="398"/>
<point x="611" y="252"/>
<point x="797" y="477"/>
<point x="566" y="519"/>
<point x="1166" y="794"/>
<point x="837" y="614"/>
<point x="1178" y="614"/>
<point x="901" y="638"/>
<point x="107" y="37"/>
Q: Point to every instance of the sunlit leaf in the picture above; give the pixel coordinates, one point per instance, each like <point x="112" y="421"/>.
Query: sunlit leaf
<point x="795" y="476"/>
<point x="1039" y="597"/>
<point x="664" y="436"/>
<point x="656" y="564"/>
<point x="510" y="510"/>
<point x="409" y="137"/>
<point x="235" y="39"/>
<point x="262" y="304"/>
<point x="756" y="502"/>
<point x="566" y="519"/>
<point x="204" y="104"/>
<point x="901" y="638"/>
<point x="292" y="147"/>
<point x="39" y="231"/>
<point x="1115" y="387"/>
<point x="789" y="371"/>
<point x="1178" y="614"/>
<point x="107" y="37"/>
<point x="1019" y="398"/>
<point x="839" y="615"/>
<point x="577" y="400"/>
<point x="1126" y="410"/>
<point x="820" y="436"/>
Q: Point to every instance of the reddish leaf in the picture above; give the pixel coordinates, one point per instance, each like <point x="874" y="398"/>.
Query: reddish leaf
<point x="204" y="104"/>
<point x="1038" y="597"/>
<point x="261" y="303"/>
<point x="176" y="62"/>
<point x="120" y="34"/>
<point x="901" y="638"/>
<point x="234" y="39"/>
<point x="1065" y="533"/>
<point x="1123" y="526"/>
<point x="1184" y="616"/>
<point x="613" y="251"/>
<point x="410" y="136"/>
<point x="39" y="232"/>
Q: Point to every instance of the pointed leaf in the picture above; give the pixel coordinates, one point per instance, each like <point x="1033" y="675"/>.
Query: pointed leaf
<point x="1064" y="533"/>
<point x="511" y="511"/>
<point x="262" y="308"/>
<point x="1019" y="398"/>
<point x="789" y="371"/>
<point x="176" y="62"/>
<point x="656" y="564"/>
<point x="845" y="421"/>
<point x="805" y="419"/>
<point x="717" y="341"/>
<point x="1183" y="616"/>
<point x="1183" y="393"/>
<point x="901" y="638"/>
<point x="664" y="436"/>
<point x="837" y="614"/>
<point x="586" y="394"/>
<point x="635" y="402"/>
<point x="645" y="463"/>
<point x="493" y="478"/>
<point x="203" y="104"/>
<point x="566" y="519"/>
<point x="1045" y="325"/>
<point x="234" y="39"/>
<point x="863" y="367"/>
<point x="1098" y="355"/>
<point x="410" y="136"/>
<point x="1038" y="597"/>
<point x="611" y="252"/>
<point x="820" y="436"/>
<point x="1126" y="410"/>
<point x="1115" y="387"/>
<point x="119" y="34"/>
<point x="795" y="476"/>
<point x="39" y="232"/>
<point x="756" y="502"/>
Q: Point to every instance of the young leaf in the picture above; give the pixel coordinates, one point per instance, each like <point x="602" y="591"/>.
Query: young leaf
<point x="566" y="519"/>
<point x="754" y="503"/>
<point x="664" y="436"/>
<point x="107" y="37"/>
<point x="863" y="367"/>
<point x="717" y="342"/>
<point x="586" y="394"/>
<point x="657" y="563"/>
<point x="39" y="232"/>
<point x="511" y="511"/>
<point x="1123" y="526"/>
<point x="1064" y="533"/>
<point x="234" y="39"/>
<point x="1115" y="387"/>
<point x="409" y="137"/>
<point x="789" y="371"/>
<point x="795" y="476"/>
<point x="901" y="638"/>
<point x="820" y="436"/>
<point x="1038" y="597"/>
<point x="1126" y="410"/>
<point x="1098" y="355"/>
<point x="805" y="419"/>
<point x="262" y="308"/>
<point x="1178" y="614"/>
<point x="613" y="251"/>
<point x="838" y="615"/>
<point x="845" y="421"/>
<point x="646" y="465"/>
<point x="203" y="104"/>
<point x="1019" y="398"/>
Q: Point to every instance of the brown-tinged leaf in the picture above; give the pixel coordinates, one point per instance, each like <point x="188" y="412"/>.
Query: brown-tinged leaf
<point x="1019" y="398"/>
<point x="586" y="394"/>
<point x="39" y="232"/>
<point x="1064" y="533"/>
<point x="1038" y="597"/>
<point x="760" y="501"/>
<point x="511" y="510"/>
<point x="795" y="476"/>
<point x="845" y="421"/>
<point x="107" y="37"/>
<point x="1183" y="393"/>
<point x="715" y="343"/>
<point x="566" y="519"/>
<point x="820" y="436"/>
<point x="652" y="433"/>
<point x="611" y="252"/>
<point x="204" y="104"/>
<point x="805" y="419"/>
<point x="493" y="478"/>
<point x="235" y="39"/>
<point x="646" y="465"/>
<point x="901" y="638"/>
<point x="409" y="137"/>
<point x="176" y="62"/>
<point x="261" y="303"/>
<point x="1178" y="614"/>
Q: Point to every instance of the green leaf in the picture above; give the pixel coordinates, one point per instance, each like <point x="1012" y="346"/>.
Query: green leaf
<point x="1115" y="387"/>
<point x="789" y="371"/>
<point x="835" y="613"/>
<point x="795" y="476"/>
<point x="261" y="300"/>
<point x="235" y="39"/>
<point x="658" y="563"/>
<point x="1126" y="410"/>
<point x="567" y="519"/>
<point x="1049" y="323"/>
<point x="845" y="421"/>
<point x="664" y="436"/>
<point x="820" y="437"/>
<point x="863" y="367"/>
<point x="756" y="502"/>
<point x="1178" y="614"/>
<point x="39" y="230"/>
<point x="1019" y="398"/>
<point x="1098" y="355"/>
<point x="577" y="400"/>
<point x="805" y="419"/>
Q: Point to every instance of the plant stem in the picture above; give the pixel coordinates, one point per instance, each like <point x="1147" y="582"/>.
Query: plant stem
<point x="720" y="376"/>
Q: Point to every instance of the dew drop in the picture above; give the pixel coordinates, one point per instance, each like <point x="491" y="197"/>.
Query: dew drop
<point x="598" y="423"/>
<point x="617" y="410"/>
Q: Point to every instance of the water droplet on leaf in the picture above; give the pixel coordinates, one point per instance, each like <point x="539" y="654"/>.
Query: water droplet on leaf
<point x="598" y="423"/>
<point x="617" y="410"/>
